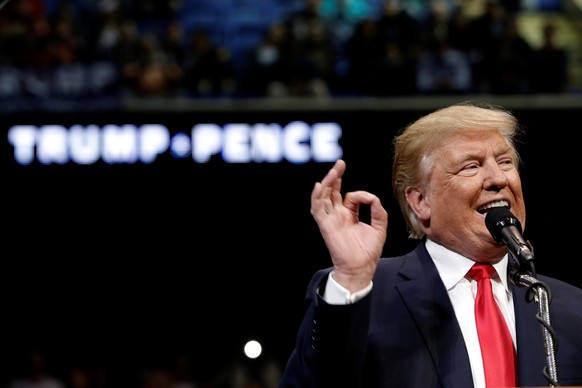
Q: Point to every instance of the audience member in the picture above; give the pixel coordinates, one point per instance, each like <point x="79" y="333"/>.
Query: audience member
<point x="363" y="51"/>
<point x="308" y="52"/>
<point x="549" y="68"/>
<point x="442" y="69"/>
<point x="208" y="68"/>
<point x="266" y="75"/>
<point x="342" y="16"/>
<point x="509" y="60"/>
<point x="157" y="73"/>
<point x="460" y="33"/>
<point x="172" y="41"/>
<point x="396" y="25"/>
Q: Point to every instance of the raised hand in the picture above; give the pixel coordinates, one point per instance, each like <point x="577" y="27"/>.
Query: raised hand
<point x="355" y="247"/>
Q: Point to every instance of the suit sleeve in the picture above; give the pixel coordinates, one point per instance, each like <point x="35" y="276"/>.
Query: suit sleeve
<point x="331" y="342"/>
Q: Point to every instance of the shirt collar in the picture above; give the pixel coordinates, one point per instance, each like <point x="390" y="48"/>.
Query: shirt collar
<point x="452" y="267"/>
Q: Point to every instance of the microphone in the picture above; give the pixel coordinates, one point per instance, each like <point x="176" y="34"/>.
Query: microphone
<point x="506" y="228"/>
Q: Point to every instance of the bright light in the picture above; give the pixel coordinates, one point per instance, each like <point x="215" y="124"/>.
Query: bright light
<point x="253" y="349"/>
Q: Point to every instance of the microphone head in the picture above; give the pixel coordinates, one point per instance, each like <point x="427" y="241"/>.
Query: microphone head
<point x="497" y="219"/>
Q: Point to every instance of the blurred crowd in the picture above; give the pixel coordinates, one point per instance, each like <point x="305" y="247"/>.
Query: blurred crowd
<point x="316" y="48"/>
<point x="37" y="367"/>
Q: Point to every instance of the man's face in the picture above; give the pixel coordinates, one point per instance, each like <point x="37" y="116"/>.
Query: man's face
<point x="471" y="172"/>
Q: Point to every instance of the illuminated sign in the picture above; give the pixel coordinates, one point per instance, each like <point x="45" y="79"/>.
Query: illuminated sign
<point x="296" y="142"/>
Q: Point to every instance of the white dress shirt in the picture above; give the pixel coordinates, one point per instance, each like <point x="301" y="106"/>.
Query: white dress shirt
<point x="462" y="290"/>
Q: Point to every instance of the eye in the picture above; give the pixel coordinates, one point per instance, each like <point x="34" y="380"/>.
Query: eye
<point x="506" y="164"/>
<point x="469" y="169"/>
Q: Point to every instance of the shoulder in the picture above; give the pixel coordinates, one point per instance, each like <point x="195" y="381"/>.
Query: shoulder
<point x="391" y="263"/>
<point x="560" y="284"/>
<point x="412" y="259"/>
<point x="562" y="293"/>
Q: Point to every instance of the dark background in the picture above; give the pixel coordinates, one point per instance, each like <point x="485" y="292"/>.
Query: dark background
<point x="127" y="265"/>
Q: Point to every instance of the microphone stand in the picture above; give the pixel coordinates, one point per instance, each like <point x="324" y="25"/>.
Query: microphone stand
<point x="539" y="292"/>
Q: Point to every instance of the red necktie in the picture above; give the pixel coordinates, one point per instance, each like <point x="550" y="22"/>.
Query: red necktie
<point x="496" y="344"/>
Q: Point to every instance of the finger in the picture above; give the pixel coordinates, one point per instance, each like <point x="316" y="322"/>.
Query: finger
<point x="321" y="194"/>
<point x="354" y="199"/>
<point x="339" y="167"/>
<point x="318" y="204"/>
<point x="378" y="215"/>
<point x="329" y="190"/>
<point x="336" y="185"/>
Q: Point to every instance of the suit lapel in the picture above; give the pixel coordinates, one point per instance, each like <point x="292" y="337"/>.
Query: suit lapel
<point x="432" y="311"/>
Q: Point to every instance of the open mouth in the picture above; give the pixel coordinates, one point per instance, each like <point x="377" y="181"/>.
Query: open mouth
<point x="484" y="209"/>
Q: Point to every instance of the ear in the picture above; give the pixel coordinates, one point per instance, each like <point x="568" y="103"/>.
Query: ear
<point x="418" y="202"/>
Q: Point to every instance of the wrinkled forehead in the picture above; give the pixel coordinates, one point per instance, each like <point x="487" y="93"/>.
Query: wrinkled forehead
<point x="465" y="143"/>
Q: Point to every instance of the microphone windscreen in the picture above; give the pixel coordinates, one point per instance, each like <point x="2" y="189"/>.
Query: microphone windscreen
<point x="497" y="219"/>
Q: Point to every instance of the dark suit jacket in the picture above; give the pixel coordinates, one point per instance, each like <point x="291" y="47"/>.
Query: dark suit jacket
<point x="404" y="334"/>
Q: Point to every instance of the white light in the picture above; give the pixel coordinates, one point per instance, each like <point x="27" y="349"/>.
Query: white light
<point x="180" y="145"/>
<point x="253" y="349"/>
<point x="297" y="142"/>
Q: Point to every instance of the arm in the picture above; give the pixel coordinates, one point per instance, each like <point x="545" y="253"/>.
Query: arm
<point x="331" y="342"/>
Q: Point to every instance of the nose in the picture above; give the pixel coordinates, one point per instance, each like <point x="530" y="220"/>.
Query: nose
<point x="495" y="176"/>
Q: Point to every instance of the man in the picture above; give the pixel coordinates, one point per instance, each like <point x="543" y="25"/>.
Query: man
<point x="410" y="321"/>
